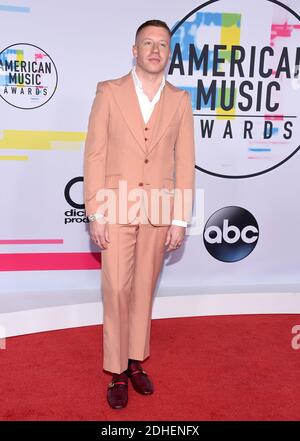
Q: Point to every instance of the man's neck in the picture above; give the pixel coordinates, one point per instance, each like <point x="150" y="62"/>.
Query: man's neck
<point x="149" y="80"/>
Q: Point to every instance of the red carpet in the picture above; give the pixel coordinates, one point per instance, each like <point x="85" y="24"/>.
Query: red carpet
<point x="203" y="368"/>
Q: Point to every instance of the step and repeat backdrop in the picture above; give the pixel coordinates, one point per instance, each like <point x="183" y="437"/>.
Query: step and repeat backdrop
<point x="239" y="61"/>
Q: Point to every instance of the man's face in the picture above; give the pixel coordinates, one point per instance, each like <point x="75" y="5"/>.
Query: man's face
<point x="152" y="49"/>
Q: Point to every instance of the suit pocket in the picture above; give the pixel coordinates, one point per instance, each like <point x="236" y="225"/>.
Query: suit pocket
<point x="112" y="181"/>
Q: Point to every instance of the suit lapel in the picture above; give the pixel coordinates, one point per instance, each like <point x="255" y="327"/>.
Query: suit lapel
<point x="125" y="96"/>
<point x="127" y="100"/>
<point x="167" y="107"/>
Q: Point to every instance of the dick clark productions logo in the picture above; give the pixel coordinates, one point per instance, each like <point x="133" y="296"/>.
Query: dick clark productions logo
<point x="231" y="234"/>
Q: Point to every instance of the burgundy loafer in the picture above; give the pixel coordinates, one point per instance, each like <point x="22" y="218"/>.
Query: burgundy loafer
<point x="117" y="391"/>
<point x="139" y="379"/>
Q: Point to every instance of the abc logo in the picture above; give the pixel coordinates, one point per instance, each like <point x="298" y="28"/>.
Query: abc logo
<point x="231" y="234"/>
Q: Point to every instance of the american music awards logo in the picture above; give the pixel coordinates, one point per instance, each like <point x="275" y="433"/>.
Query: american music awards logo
<point x="240" y="65"/>
<point x="28" y="76"/>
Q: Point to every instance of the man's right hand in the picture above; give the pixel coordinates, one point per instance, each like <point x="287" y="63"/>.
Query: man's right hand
<point x="99" y="233"/>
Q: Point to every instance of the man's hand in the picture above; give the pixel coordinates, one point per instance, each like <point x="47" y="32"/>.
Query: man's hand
<point x="99" y="233"/>
<point x="175" y="236"/>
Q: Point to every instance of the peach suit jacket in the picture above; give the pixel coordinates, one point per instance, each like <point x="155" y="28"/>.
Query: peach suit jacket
<point x="158" y="155"/>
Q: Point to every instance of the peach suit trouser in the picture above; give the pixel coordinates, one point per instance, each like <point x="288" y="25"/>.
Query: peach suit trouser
<point x="131" y="264"/>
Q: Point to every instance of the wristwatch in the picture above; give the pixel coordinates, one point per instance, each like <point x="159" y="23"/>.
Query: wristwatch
<point x="95" y="216"/>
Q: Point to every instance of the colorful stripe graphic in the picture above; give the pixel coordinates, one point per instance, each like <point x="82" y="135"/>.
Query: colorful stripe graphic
<point x="11" y="8"/>
<point x="282" y="30"/>
<point x="49" y="261"/>
<point x="30" y="241"/>
<point x="257" y="149"/>
<point x="39" y="140"/>
<point x="13" y="158"/>
<point x="259" y="157"/>
<point x="230" y="35"/>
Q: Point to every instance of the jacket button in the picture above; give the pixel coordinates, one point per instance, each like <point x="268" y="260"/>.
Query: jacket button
<point x="146" y="161"/>
<point x="141" y="184"/>
<point x="146" y="139"/>
<point x="146" y="128"/>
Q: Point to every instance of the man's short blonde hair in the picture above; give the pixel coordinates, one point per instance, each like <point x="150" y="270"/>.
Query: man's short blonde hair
<point x="158" y="23"/>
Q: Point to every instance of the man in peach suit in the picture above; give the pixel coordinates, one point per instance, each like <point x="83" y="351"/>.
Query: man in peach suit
<point x="139" y="166"/>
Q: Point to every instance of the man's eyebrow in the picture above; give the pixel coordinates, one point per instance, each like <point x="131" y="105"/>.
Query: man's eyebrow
<point x="149" y="38"/>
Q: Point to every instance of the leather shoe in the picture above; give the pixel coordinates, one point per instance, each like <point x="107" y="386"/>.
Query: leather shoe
<point x="117" y="391"/>
<point x="139" y="378"/>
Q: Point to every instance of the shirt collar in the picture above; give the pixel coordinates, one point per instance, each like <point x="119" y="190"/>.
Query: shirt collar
<point x="138" y="82"/>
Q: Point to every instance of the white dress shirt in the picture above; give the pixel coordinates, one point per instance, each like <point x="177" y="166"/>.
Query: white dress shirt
<point x="147" y="107"/>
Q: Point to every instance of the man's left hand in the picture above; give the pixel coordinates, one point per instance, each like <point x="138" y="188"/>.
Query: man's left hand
<point x="174" y="238"/>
